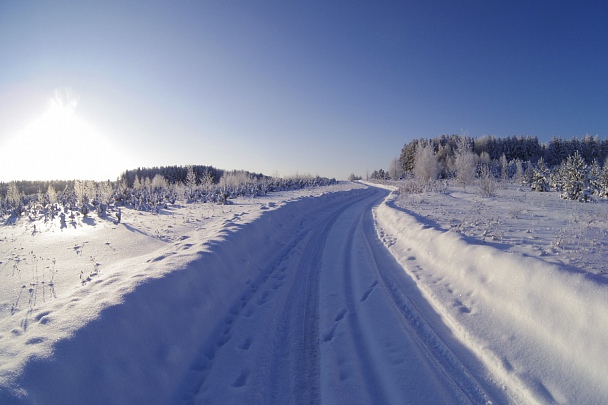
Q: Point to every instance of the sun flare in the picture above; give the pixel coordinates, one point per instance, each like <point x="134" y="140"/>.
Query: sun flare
<point x="61" y="145"/>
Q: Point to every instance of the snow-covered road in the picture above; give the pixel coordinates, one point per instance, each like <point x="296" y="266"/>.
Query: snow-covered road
<point x="329" y="320"/>
<point x="336" y="296"/>
<point x="295" y="301"/>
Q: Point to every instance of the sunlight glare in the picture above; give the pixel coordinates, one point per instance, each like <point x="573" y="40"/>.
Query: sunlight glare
<point x="61" y="145"/>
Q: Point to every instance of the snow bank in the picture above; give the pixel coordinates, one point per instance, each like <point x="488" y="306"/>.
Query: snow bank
<point x="130" y="335"/>
<point x="540" y="329"/>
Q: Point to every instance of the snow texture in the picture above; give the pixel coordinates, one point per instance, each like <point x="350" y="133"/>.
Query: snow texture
<point x="538" y="325"/>
<point x="294" y="298"/>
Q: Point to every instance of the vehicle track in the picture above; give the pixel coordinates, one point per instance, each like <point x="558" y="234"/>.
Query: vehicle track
<point x="327" y="321"/>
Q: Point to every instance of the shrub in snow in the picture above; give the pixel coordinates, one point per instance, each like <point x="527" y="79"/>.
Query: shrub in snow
<point x="487" y="182"/>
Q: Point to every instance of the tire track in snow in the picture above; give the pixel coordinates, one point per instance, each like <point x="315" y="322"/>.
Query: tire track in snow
<point x="278" y="316"/>
<point x="440" y="355"/>
<point x="326" y="322"/>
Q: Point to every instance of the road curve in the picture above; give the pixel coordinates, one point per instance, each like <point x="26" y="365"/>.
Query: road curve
<point x="332" y="318"/>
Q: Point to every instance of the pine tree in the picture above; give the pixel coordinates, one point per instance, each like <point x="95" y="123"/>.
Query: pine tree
<point x="575" y="178"/>
<point x="540" y="177"/>
<point x="190" y="183"/>
<point x="408" y="156"/>
<point x="602" y="182"/>
<point x="595" y="172"/>
<point x="13" y="198"/>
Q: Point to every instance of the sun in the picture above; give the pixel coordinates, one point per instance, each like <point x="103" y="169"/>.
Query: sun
<point x="61" y="145"/>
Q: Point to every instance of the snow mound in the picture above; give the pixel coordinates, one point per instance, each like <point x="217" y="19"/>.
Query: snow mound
<point x="130" y="334"/>
<point x="539" y="328"/>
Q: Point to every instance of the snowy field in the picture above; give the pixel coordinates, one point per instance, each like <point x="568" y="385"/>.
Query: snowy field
<point x="61" y="285"/>
<point x="490" y="300"/>
<point x="521" y="280"/>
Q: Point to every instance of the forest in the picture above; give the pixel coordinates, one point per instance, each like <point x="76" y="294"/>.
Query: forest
<point x="145" y="189"/>
<point x="573" y="167"/>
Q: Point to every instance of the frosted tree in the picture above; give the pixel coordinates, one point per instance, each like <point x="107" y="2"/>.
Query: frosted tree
<point x="425" y="167"/>
<point x="190" y="183"/>
<point x="147" y="184"/>
<point x="487" y="182"/>
<point x="51" y="194"/>
<point x="80" y="188"/>
<point x="464" y="163"/>
<point x="540" y="177"/>
<point x="484" y="159"/>
<point x="519" y="171"/>
<point x="137" y="183"/>
<point x="13" y="198"/>
<point x="595" y="172"/>
<point x="602" y="183"/>
<point x="504" y="168"/>
<point x="575" y="179"/>
<point x="104" y="194"/>
<point x="207" y="180"/>
<point x="395" y="170"/>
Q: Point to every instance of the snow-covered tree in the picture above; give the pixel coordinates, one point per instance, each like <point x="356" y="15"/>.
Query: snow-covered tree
<point x="137" y="183"/>
<point x="602" y="182"/>
<point x="425" y="168"/>
<point x="190" y="183"/>
<point x="487" y="182"/>
<point x="519" y="171"/>
<point x="395" y="170"/>
<point x="159" y="183"/>
<point x="51" y="194"/>
<point x="464" y="163"/>
<point x="207" y="181"/>
<point x="80" y="188"/>
<point x="595" y="172"/>
<point x="575" y="179"/>
<point x="13" y="198"/>
<point x="104" y="196"/>
<point x="504" y="168"/>
<point x="408" y="156"/>
<point x="540" y="177"/>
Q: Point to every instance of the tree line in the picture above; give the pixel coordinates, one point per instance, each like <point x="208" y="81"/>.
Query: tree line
<point x="146" y="189"/>
<point x="489" y="148"/>
<point x="576" y="168"/>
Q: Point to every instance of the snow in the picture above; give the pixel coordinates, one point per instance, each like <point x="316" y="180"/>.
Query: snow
<point x="294" y="297"/>
<point x="537" y="322"/>
<point x="120" y="291"/>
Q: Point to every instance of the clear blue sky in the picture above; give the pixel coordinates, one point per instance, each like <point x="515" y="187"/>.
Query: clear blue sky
<point x="319" y="87"/>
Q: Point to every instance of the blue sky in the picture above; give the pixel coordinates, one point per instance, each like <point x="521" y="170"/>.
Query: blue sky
<point x="319" y="87"/>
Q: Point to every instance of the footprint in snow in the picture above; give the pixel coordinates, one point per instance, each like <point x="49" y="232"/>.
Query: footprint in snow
<point x="369" y="291"/>
<point x="241" y="380"/>
<point x="246" y="344"/>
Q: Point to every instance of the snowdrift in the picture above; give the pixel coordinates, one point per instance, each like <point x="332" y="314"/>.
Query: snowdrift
<point x="539" y="328"/>
<point x="156" y="315"/>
